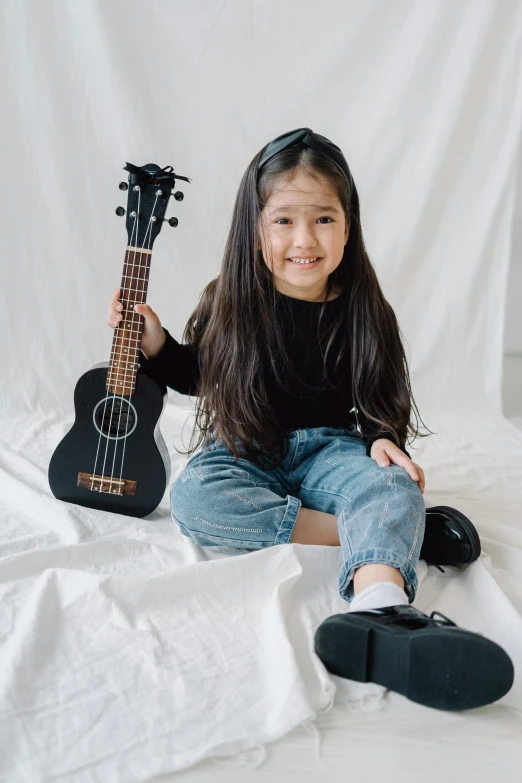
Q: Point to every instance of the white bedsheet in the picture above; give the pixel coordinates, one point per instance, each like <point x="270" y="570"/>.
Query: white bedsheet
<point x="127" y="652"/>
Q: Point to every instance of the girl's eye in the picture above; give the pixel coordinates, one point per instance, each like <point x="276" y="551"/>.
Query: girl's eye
<point x="325" y="217"/>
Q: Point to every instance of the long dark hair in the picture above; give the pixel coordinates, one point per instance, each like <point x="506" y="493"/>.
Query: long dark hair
<point x="237" y="334"/>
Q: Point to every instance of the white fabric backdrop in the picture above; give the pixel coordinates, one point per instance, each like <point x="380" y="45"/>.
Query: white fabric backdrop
<point x="125" y="652"/>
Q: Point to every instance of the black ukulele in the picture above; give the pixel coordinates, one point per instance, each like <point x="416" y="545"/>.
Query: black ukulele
<point x="114" y="457"/>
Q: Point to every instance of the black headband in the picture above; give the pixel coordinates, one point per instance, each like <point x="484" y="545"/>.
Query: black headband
<point x="305" y="137"/>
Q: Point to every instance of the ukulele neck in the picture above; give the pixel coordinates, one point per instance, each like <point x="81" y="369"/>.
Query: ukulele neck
<point x="125" y="351"/>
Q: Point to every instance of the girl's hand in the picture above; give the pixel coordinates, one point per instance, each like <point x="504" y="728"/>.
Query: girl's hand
<point x="153" y="337"/>
<point x="385" y="451"/>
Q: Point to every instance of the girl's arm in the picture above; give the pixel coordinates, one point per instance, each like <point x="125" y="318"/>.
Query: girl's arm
<point x="176" y="365"/>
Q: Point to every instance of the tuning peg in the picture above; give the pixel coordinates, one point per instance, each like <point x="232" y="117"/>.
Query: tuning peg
<point x="178" y="195"/>
<point x="120" y="211"/>
<point x="123" y="186"/>
<point x="173" y="221"/>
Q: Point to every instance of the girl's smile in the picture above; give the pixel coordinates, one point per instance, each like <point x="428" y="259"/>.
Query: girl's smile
<point x="304" y="264"/>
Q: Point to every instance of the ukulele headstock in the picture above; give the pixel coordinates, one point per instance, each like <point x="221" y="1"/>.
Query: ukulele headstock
<point x="149" y="190"/>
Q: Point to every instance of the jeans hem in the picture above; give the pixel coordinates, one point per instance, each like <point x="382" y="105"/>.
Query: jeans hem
<point x="286" y="527"/>
<point x="384" y="556"/>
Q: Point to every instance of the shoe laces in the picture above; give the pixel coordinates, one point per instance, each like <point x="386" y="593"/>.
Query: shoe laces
<point x="445" y="621"/>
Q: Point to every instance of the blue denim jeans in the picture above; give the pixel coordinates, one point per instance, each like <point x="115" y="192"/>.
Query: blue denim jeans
<point x="380" y="511"/>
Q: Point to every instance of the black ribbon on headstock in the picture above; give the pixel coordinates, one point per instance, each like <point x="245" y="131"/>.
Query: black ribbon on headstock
<point x="152" y="174"/>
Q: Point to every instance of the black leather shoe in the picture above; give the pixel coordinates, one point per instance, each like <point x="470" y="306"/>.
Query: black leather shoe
<point x="450" y="538"/>
<point x="429" y="661"/>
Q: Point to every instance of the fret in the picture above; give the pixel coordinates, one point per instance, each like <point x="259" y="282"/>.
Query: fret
<point x="131" y="261"/>
<point x="130" y="268"/>
<point x="129" y="339"/>
<point x="124" y="288"/>
<point x="130" y="249"/>
<point x="117" y="368"/>
<point x="144" y="261"/>
<point x="137" y="277"/>
<point x="128" y="319"/>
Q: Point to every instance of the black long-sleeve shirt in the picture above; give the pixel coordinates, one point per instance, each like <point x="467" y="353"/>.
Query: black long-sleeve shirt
<point x="296" y="406"/>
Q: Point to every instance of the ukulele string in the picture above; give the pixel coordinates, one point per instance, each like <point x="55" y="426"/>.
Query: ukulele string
<point x="124" y="301"/>
<point x="107" y="392"/>
<point x="145" y="246"/>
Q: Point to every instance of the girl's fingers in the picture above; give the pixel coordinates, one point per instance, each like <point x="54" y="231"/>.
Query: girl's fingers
<point x="115" y="308"/>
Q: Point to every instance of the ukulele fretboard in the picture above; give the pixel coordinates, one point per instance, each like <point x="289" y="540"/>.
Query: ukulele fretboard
<point x="123" y="364"/>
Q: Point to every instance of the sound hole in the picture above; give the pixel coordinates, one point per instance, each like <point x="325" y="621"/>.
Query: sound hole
<point x="115" y="417"/>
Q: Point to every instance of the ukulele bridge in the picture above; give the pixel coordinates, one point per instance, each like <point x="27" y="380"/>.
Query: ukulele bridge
<point x="108" y="484"/>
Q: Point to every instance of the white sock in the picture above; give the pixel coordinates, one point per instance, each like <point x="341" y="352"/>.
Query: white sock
<point x="377" y="595"/>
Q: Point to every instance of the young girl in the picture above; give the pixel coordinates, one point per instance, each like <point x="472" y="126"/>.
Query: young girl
<point x="303" y="411"/>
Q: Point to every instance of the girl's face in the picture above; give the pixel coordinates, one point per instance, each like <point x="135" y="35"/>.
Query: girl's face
<point x="303" y="218"/>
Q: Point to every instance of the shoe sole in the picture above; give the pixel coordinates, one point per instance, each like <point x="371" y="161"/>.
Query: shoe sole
<point x="447" y="668"/>
<point x="473" y="536"/>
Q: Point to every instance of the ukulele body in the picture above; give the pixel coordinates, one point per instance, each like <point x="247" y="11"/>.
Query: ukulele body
<point x="114" y="457"/>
